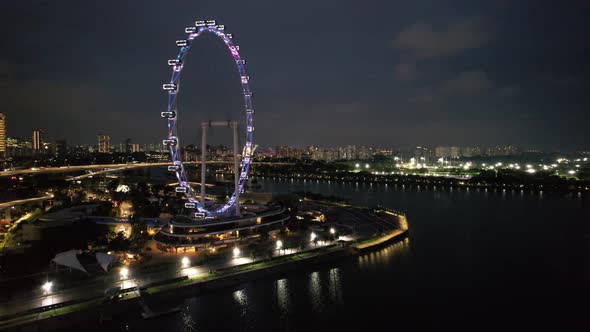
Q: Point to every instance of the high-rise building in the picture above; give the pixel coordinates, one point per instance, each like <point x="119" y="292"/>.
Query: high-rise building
<point x="128" y="146"/>
<point x="442" y="151"/>
<point x="422" y="154"/>
<point x="61" y="149"/>
<point x="507" y="150"/>
<point x="104" y="142"/>
<point x="37" y="139"/>
<point x="2" y="136"/>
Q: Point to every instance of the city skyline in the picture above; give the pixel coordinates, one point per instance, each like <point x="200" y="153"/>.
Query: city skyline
<point x="414" y="74"/>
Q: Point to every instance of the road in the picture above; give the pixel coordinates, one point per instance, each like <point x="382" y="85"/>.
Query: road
<point x="113" y="167"/>
<point x="65" y="290"/>
<point x="23" y="201"/>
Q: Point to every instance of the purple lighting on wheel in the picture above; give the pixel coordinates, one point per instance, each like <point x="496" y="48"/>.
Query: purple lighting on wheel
<point x="171" y="115"/>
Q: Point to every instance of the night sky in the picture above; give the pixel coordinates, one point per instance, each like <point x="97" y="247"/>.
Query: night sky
<point x="384" y="73"/>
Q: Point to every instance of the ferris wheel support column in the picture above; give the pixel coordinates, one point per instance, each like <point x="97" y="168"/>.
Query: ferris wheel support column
<point x="236" y="168"/>
<point x="204" y="126"/>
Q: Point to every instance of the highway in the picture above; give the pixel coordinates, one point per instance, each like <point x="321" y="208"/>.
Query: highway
<point x="114" y="167"/>
<point x="23" y="201"/>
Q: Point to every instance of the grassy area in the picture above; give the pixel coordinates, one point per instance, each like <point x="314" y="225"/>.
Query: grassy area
<point x="49" y="313"/>
<point x="240" y="268"/>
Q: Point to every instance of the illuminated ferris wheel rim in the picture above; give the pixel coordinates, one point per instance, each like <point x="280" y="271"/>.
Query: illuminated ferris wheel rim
<point x="171" y="114"/>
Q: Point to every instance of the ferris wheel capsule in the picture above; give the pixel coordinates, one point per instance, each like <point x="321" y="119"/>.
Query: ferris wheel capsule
<point x="168" y="114"/>
<point x="169" y="87"/>
<point x="190" y="205"/>
<point x="170" y="142"/>
<point x="174" y="62"/>
<point x="182" y="43"/>
<point x="190" y="29"/>
<point x="200" y="23"/>
<point x="181" y="189"/>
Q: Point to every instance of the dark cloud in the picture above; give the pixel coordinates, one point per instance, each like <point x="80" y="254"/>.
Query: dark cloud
<point x="463" y="84"/>
<point x="406" y="71"/>
<point x="323" y="72"/>
<point x="423" y="41"/>
<point x="509" y="90"/>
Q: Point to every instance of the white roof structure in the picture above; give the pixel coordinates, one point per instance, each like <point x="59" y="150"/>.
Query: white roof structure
<point x="105" y="260"/>
<point x="70" y="259"/>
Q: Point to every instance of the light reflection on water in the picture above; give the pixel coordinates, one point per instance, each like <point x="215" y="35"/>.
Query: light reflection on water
<point x="188" y="321"/>
<point x="315" y="292"/>
<point x="335" y="286"/>
<point x="241" y="301"/>
<point x="282" y="294"/>
<point x="376" y="258"/>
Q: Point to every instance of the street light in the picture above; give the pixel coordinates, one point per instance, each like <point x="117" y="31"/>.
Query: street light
<point x="236" y="252"/>
<point x="357" y="165"/>
<point x="185" y="262"/>
<point x="279" y="244"/>
<point x="332" y="230"/>
<point x="124" y="273"/>
<point x="313" y="236"/>
<point x="47" y="287"/>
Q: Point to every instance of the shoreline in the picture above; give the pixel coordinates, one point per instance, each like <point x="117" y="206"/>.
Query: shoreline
<point x="441" y="182"/>
<point x="131" y="298"/>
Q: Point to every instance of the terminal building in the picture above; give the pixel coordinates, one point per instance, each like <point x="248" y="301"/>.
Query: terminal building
<point x="185" y="232"/>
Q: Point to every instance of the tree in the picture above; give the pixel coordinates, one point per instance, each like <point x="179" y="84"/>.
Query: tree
<point x="119" y="242"/>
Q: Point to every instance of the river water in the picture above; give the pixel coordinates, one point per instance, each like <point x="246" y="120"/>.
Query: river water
<point x="474" y="260"/>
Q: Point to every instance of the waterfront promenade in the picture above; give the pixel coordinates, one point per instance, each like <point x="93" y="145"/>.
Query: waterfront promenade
<point x="372" y="231"/>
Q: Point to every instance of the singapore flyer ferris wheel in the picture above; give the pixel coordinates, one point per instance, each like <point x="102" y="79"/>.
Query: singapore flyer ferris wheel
<point x="172" y="142"/>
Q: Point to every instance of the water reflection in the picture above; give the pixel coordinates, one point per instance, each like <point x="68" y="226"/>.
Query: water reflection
<point x="282" y="293"/>
<point x="241" y="300"/>
<point x="335" y="286"/>
<point x="315" y="292"/>
<point x="377" y="258"/>
<point x="188" y="321"/>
